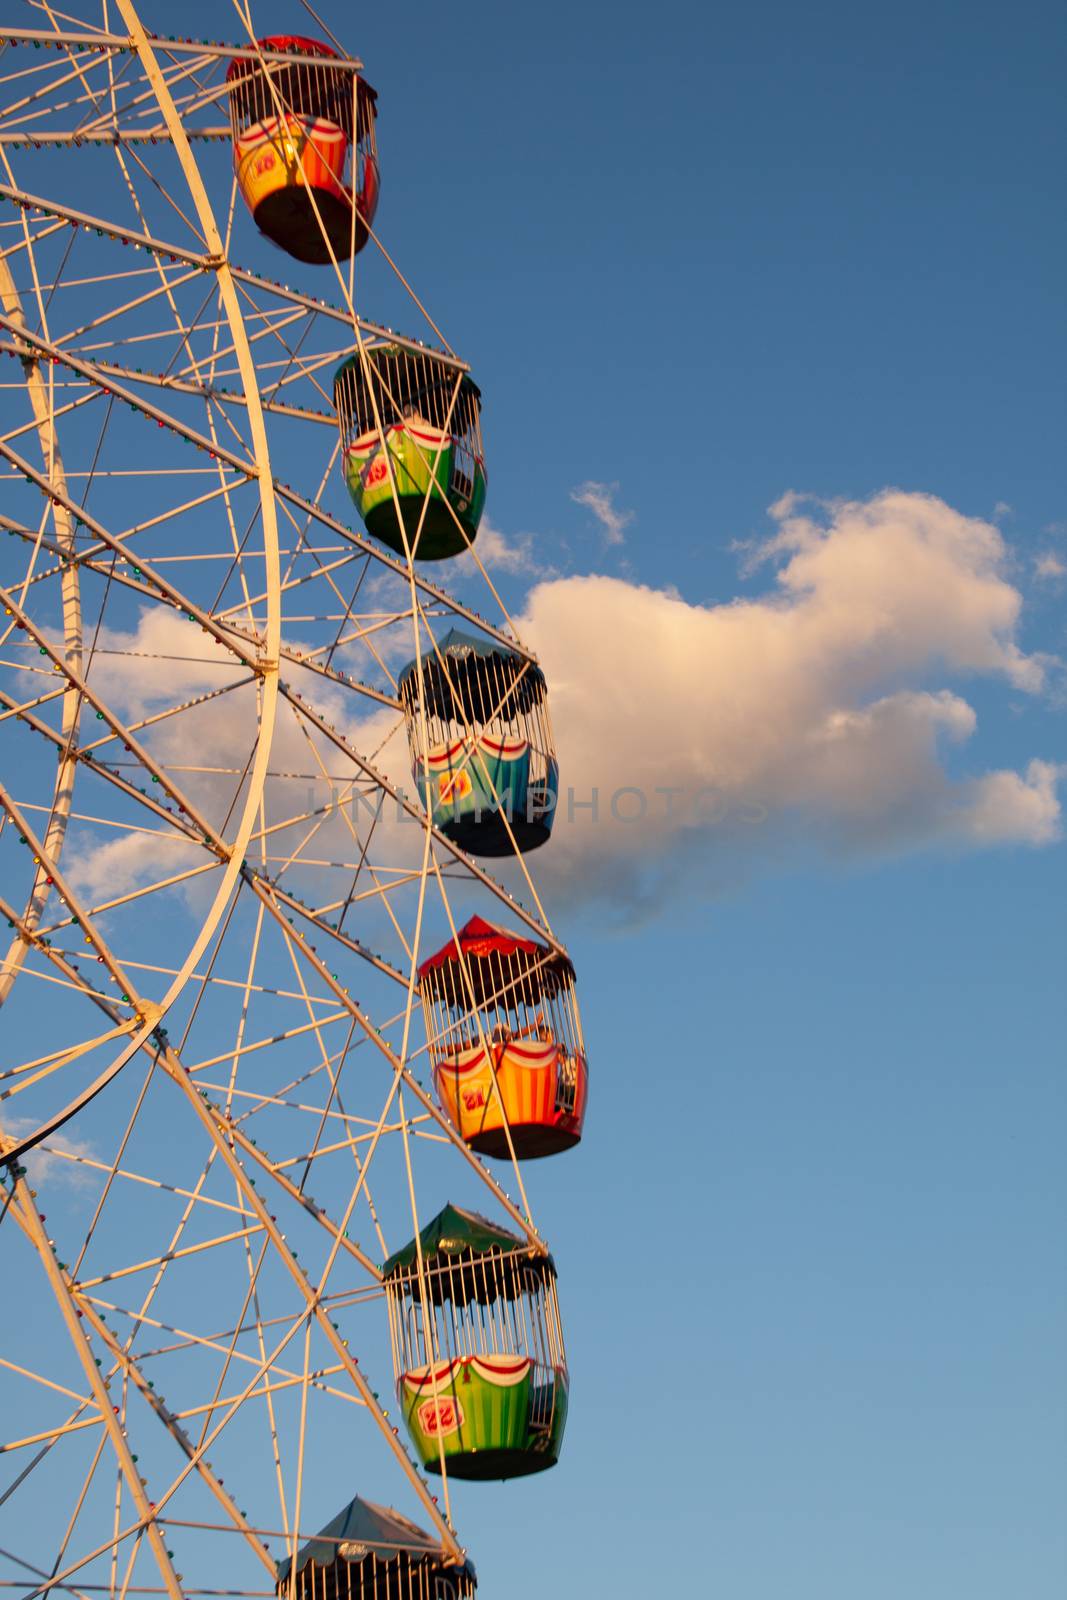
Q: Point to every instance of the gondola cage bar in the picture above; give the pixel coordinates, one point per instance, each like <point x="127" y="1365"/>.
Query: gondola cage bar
<point x="411" y="437"/>
<point x="294" y="124"/>
<point x="372" y="1578"/>
<point x="482" y="749"/>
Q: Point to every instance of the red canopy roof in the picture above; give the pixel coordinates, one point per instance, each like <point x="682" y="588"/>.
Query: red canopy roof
<point x="285" y="44"/>
<point x="478" y="938"/>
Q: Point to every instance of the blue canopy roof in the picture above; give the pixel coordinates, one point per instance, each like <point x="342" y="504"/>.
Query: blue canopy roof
<point x="460" y="646"/>
<point x="361" y="1530"/>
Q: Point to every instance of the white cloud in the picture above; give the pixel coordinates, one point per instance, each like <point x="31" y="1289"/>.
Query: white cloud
<point x="808" y="710"/>
<point x="1007" y="805"/>
<point x="104" y="870"/>
<point x="599" y="498"/>
<point x="166" y="659"/>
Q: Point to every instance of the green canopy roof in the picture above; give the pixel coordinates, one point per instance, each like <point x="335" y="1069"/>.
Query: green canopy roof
<point x="363" y="1529"/>
<point x="454" y="1232"/>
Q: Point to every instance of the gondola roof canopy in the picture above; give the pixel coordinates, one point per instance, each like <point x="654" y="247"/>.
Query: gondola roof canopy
<point x="460" y="671"/>
<point x="459" y="1236"/>
<point x="503" y="967"/>
<point x="363" y="1529"/>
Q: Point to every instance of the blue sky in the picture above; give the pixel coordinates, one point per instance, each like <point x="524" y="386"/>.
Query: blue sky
<point x="811" y="1246"/>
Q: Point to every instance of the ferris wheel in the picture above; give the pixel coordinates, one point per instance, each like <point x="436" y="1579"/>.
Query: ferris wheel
<point x="284" y="1014"/>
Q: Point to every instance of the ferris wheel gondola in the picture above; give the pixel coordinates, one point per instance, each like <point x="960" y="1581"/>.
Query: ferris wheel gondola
<point x="481" y="1371"/>
<point x="296" y="118"/>
<point x="370" y="1552"/>
<point x="482" y="749"/>
<point x="506" y="1042"/>
<point x="414" y="462"/>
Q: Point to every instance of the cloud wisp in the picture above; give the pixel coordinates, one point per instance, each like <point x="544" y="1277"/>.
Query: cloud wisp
<point x="1050" y="567"/>
<point x="599" y="498"/>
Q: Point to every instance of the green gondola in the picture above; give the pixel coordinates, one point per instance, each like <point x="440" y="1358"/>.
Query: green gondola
<point x="487" y="1391"/>
<point x="411" y="442"/>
